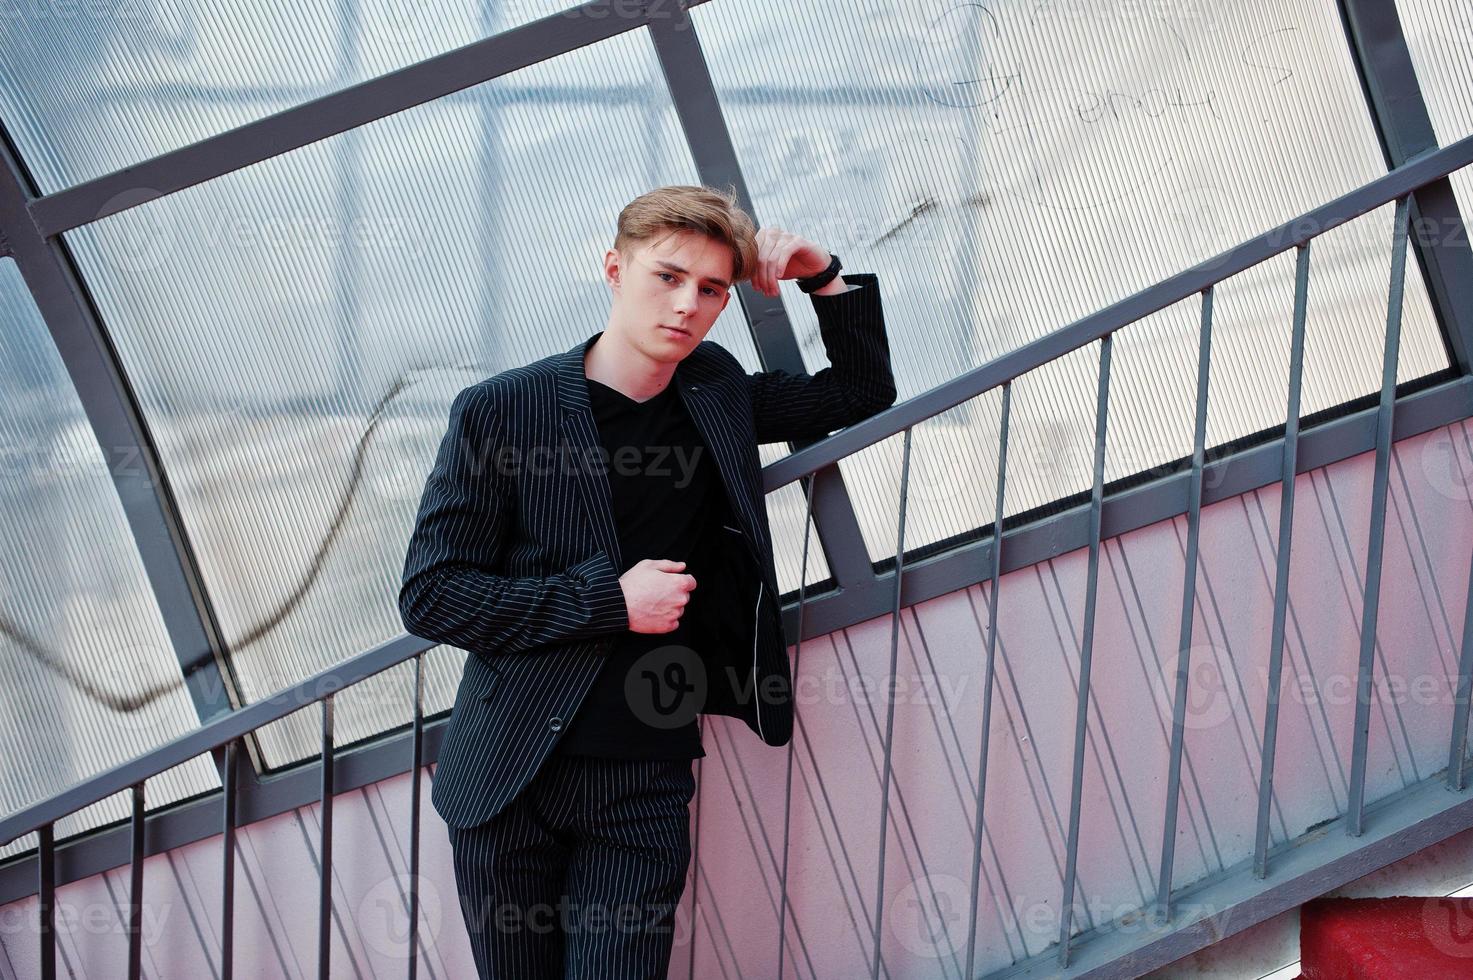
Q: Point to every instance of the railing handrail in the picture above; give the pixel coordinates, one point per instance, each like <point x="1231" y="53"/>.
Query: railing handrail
<point x="1434" y="165"/>
<point x="213" y="735"/>
<point x="1418" y="172"/>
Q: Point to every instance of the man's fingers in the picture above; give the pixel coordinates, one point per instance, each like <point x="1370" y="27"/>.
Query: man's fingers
<point x="779" y="261"/>
<point x="764" y="264"/>
<point x="787" y="255"/>
<point x="768" y="253"/>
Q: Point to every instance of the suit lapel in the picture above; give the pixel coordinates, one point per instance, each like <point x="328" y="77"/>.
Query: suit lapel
<point x="580" y="449"/>
<point x="703" y="401"/>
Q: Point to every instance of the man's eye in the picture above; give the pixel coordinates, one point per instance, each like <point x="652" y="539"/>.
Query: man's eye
<point x="664" y="274"/>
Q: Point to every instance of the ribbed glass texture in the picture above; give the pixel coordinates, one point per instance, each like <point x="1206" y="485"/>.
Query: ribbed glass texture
<point x="90" y="679"/>
<point x="87" y="88"/>
<point x="1007" y="169"/>
<point x="1439" y="35"/>
<point x="296" y="331"/>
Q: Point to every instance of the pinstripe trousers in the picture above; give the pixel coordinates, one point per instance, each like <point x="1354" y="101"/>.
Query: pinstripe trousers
<point x="580" y="874"/>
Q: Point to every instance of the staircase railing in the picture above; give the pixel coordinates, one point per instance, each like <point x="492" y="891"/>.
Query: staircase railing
<point x="1396" y="186"/>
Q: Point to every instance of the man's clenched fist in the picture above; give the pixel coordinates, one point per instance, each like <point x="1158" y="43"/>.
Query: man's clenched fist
<point x="655" y="594"/>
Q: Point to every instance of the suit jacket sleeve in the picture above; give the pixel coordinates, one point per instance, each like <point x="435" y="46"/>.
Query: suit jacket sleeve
<point x="451" y="592"/>
<point x="788" y="407"/>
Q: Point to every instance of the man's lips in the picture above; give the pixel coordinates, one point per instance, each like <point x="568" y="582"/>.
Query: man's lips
<point x="675" y="330"/>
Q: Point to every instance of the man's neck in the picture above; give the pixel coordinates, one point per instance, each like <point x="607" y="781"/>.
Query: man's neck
<point x="625" y="369"/>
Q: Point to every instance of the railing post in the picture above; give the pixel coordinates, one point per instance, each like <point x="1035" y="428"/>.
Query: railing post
<point x="1385" y="420"/>
<point x="227" y="874"/>
<point x="782" y="915"/>
<point x="1457" y="751"/>
<point x="324" y="892"/>
<point x="46" y="892"/>
<point x="135" y="887"/>
<point x="416" y="763"/>
<point x="988" y="673"/>
<point x="1188" y="612"/>
<point x="1288" y="469"/>
<point x="890" y="704"/>
<point x="1081" y="712"/>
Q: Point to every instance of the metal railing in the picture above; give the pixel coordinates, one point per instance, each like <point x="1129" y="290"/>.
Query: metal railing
<point x="1396" y="186"/>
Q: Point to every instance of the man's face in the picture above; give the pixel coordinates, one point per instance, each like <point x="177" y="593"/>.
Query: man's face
<point x="681" y="280"/>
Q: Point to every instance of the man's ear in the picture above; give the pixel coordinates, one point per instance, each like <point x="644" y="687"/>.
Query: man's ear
<point x="612" y="268"/>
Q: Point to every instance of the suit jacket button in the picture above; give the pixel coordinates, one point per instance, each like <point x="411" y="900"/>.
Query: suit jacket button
<point x="555" y="723"/>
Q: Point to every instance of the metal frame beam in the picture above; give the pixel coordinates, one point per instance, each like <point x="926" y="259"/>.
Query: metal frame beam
<point x="1394" y="96"/>
<point x="121" y="431"/>
<point x="694" y="94"/>
<point x="356" y="105"/>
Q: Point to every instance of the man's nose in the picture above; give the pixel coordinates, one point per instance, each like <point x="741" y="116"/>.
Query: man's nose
<point x="685" y="299"/>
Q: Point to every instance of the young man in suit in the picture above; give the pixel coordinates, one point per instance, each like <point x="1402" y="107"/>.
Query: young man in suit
<point x="594" y="532"/>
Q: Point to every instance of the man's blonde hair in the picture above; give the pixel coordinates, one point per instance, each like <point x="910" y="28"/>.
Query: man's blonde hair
<point x="677" y="207"/>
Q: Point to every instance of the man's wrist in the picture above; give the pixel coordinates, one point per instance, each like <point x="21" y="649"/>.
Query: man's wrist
<point x="833" y="286"/>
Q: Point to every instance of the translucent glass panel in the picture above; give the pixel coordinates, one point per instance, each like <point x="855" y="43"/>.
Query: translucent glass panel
<point x="295" y="332"/>
<point x="1439" y="35"/>
<point x="1008" y="169"/>
<point x="89" y="675"/>
<point x="155" y="77"/>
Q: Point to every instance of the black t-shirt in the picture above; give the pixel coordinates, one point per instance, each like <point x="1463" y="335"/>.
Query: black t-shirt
<point x="666" y="492"/>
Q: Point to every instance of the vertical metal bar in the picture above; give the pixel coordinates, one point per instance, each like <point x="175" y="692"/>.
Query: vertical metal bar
<point x="1370" y="607"/>
<point x="988" y="674"/>
<point x="782" y="915"/>
<point x="890" y="703"/>
<point x="1081" y="713"/>
<point x="695" y="859"/>
<point x="1457" y="751"/>
<point x="414" y="792"/>
<point x="135" y="889"/>
<point x="46" y="891"/>
<point x="227" y="875"/>
<point x="701" y="120"/>
<point x="1188" y="610"/>
<point x="1288" y="469"/>
<point x="324" y="892"/>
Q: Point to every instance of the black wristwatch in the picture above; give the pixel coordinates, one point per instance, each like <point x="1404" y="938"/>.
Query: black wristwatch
<point x="810" y="283"/>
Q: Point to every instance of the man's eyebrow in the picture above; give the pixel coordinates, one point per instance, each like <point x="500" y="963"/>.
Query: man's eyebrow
<point x="685" y="272"/>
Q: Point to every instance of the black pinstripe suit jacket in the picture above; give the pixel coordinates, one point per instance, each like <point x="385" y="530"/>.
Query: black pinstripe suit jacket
<point x="514" y="556"/>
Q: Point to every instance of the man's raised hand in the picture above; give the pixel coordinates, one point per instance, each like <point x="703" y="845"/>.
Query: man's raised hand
<point x="783" y="255"/>
<point x="655" y="594"/>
